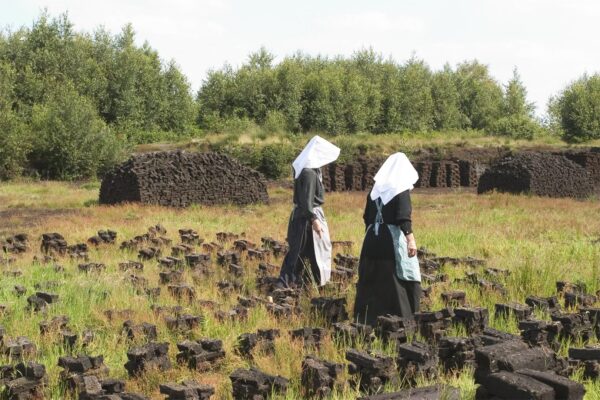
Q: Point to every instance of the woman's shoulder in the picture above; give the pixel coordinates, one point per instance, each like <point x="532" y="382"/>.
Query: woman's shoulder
<point x="400" y="199"/>
<point x="306" y="175"/>
<point x="401" y="195"/>
<point x="308" y="172"/>
<point x="404" y="195"/>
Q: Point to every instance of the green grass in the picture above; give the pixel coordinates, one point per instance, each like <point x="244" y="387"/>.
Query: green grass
<point x="272" y="153"/>
<point x="372" y="143"/>
<point x="539" y="240"/>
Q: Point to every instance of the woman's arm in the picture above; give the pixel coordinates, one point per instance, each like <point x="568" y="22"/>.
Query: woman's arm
<point x="403" y="212"/>
<point x="306" y="186"/>
<point x="404" y="220"/>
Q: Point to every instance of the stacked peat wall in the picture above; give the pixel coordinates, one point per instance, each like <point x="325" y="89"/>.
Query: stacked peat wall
<point x="575" y="171"/>
<point x="542" y="174"/>
<point x="178" y="179"/>
<point x="358" y="175"/>
<point x="589" y="160"/>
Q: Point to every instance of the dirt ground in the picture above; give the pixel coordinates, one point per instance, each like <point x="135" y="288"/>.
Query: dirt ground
<point x="18" y="219"/>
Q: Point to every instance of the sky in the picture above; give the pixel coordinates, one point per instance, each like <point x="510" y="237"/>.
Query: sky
<point x="550" y="42"/>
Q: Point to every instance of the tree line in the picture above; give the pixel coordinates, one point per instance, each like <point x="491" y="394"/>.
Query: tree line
<point x="72" y="102"/>
<point x="364" y="93"/>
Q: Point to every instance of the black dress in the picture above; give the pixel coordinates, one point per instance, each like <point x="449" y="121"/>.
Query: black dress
<point x="379" y="291"/>
<point x="308" y="194"/>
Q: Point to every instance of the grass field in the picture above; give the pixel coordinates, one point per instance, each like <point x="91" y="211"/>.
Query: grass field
<point x="539" y="240"/>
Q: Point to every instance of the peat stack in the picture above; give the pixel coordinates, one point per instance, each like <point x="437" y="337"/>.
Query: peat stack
<point x="351" y="176"/>
<point x="359" y="175"/>
<point x="589" y="160"/>
<point x="542" y="174"/>
<point x="178" y="179"/>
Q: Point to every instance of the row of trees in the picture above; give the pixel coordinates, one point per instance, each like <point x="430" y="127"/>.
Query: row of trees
<point x="364" y="93"/>
<point x="71" y="102"/>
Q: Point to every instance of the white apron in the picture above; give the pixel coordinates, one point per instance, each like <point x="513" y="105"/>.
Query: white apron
<point x="322" y="247"/>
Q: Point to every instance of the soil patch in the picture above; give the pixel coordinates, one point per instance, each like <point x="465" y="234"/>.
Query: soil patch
<point x="15" y="219"/>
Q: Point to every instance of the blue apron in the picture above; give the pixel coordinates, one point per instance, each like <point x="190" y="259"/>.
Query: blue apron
<point x="407" y="268"/>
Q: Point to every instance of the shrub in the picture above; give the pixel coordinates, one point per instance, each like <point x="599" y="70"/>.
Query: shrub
<point x="274" y="122"/>
<point x="517" y="127"/>
<point x="576" y="109"/>
<point x="71" y="141"/>
<point x="212" y="122"/>
<point x="248" y="154"/>
<point x="143" y="136"/>
<point x="276" y="160"/>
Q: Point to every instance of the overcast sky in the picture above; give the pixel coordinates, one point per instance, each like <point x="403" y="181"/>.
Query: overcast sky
<point x="551" y="42"/>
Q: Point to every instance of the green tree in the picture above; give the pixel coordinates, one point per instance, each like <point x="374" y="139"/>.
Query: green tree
<point x="577" y="109"/>
<point x="39" y="56"/>
<point x="7" y="82"/>
<point x="215" y="98"/>
<point x="261" y="60"/>
<point x="135" y="85"/>
<point x="322" y="101"/>
<point x="179" y="109"/>
<point x="515" y="98"/>
<point x="110" y="83"/>
<point x="390" y="118"/>
<point x="290" y="81"/>
<point x="367" y="65"/>
<point x="360" y="93"/>
<point x="517" y="118"/>
<point x="446" y="101"/>
<point x="480" y="95"/>
<point x="416" y="102"/>
<point x="256" y="88"/>
<point x="14" y="143"/>
<point x="355" y="108"/>
<point x="71" y="141"/>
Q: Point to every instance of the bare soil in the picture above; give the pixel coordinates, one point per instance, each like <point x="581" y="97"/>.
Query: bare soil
<point x="16" y="219"/>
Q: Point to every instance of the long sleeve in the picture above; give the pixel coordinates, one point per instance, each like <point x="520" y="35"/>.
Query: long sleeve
<point x="305" y="187"/>
<point x="403" y="211"/>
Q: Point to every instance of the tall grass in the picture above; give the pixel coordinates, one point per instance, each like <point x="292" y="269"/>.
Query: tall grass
<point x="386" y="143"/>
<point x="538" y="240"/>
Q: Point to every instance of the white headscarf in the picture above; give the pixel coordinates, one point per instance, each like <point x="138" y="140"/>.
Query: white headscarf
<point x="395" y="176"/>
<point x="318" y="152"/>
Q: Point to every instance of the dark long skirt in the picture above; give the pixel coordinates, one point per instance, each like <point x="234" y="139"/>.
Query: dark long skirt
<point x="300" y="264"/>
<point x="380" y="292"/>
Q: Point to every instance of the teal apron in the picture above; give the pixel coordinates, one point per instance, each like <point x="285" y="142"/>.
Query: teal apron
<point x="407" y="268"/>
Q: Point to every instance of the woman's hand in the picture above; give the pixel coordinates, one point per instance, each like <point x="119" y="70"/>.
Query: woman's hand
<point x="411" y="244"/>
<point x="317" y="227"/>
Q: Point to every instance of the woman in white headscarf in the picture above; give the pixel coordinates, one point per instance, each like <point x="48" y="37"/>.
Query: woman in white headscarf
<point x="388" y="276"/>
<point x="308" y="234"/>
